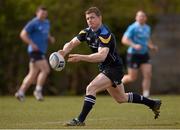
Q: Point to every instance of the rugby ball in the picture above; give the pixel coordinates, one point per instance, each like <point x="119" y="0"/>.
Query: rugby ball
<point x="56" y="61"/>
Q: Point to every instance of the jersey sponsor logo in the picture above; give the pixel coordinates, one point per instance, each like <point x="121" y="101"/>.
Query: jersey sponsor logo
<point x="40" y="28"/>
<point x="105" y="40"/>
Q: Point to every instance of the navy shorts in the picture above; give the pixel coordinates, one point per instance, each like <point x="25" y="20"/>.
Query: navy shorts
<point x="135" y="60"/>
<point x="115" y="74"/>
<point x="36" y="55"/>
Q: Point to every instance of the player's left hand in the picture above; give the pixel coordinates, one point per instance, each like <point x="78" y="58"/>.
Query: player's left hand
<point x="52" y="39"/>
<point x="74" y="58"/>
<point x="155" y="48"/>
<point x="62" y="53"/>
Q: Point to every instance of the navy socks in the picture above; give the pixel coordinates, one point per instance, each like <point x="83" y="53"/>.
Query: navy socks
<point x="89" y="101"/>
<point x="136" y="98"/>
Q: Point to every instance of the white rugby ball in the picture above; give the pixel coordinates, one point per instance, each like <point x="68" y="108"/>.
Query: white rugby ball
<point x="56" y="61"/>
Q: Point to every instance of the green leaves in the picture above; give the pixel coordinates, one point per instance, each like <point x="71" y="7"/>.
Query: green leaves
<point x="67" y="19"/>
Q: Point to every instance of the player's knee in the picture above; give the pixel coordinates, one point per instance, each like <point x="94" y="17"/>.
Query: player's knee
<point x="46" y="71"/>
<point x="29" y="79"/>
<point x="132" y="78"/>
<point x="148" y="75"/>
<point x="90" y="90"/>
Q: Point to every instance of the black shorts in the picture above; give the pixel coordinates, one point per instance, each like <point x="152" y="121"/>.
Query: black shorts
<point x="115" y="74"/>
<point x="135" y="60"/>
<point x="36" y="55"/>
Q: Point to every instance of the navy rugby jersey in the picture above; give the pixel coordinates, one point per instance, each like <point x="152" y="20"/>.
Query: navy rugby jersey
<point x="101" y="38"/>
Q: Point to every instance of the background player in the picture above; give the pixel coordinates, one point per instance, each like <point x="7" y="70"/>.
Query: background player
<point x="137" y="37"/>
<point x="36" y="35"/>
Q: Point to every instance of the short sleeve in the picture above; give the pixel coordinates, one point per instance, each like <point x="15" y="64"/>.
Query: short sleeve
<point x="82" y="35"/>
<point x="104" y="40"/>
<point x="129" y="32"/>
<point x="29" y="26"/>
<point x="149" y="30"/>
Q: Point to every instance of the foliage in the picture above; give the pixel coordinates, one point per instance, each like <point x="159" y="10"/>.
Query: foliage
<point x="67" y="19"/>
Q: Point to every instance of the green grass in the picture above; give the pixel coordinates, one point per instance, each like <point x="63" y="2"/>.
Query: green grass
<point x="54" y="111"/>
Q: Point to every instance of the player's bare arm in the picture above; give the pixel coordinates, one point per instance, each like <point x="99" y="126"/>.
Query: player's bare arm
<point x="69" y="46"/>
<point x="24" y="36"/>
<point x="100" y="56"/>
<point x="126" y="41"/>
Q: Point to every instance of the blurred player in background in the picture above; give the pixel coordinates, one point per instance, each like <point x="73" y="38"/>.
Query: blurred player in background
<point x="36" y="35"/>
<point x="103" y="45"/>
<point x="137" y="37"/>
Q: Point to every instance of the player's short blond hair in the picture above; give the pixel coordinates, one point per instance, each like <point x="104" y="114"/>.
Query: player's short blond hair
<point x="93" y="10"/>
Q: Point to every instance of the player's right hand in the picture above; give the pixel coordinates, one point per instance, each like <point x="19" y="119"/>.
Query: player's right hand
<point x="34" y="47"/>
<point x="137" y="47"/>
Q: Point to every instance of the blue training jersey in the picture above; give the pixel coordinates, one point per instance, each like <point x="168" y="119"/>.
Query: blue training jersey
<point x="138" y="34"/>
<point x="101" y="38"/>
<point x="38" y="32"/>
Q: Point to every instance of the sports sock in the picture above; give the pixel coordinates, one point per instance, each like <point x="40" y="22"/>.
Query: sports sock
<point x="89" y="101"/>
<point x="20" y="92"/>
<point x="38" y="88"/>
<point x="136" y="98"/>
<point x="146" y="93"/>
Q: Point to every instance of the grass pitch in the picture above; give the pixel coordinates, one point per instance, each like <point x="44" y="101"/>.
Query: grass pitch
<point x="107" y="114"/>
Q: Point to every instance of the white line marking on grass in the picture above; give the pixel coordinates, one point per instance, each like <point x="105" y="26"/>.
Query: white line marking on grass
<point x="61" y="122"/>
<point x="43" y="123"/>
<point x="104" y="119"/>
